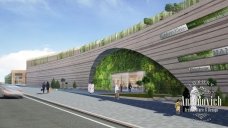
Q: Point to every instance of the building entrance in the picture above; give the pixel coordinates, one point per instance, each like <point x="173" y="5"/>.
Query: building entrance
<point x="127" y="77"/>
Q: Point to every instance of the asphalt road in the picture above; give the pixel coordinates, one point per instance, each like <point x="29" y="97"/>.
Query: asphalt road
<point x="26" y="113"/>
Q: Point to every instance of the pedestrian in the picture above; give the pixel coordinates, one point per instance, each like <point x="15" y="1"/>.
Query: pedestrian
<point x="116" y="91"/>
<point x="129" y="87"/>
<point x="89" y="87"/>
<point x="178" y="106"/>
<point x="121" y="87"/>
<point x="92" y="88"/>
<point x="47" y="86"/>
<point x="186" y="98"/>
<point x="43" y="87"/>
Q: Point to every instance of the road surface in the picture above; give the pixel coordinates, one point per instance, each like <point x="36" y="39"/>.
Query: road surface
<point x="28" y="113"/>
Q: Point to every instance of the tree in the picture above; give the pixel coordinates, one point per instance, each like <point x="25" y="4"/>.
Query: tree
<point x="53" y="83"/>
<point x="150" y="92"/>
<point x="148" y="21"/>
<point x="173" y="7"/>
<point x="8" y="79"/>
<point x="169" y="7"/>
<point x="57" y="85"/>
<point x="211" y="82"/>
<point x="176" y="7"/>
<point x="74" y="84"/>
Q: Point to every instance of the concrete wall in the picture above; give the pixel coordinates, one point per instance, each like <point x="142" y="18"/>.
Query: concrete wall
<point x="18" y="77"/>
<point x="165" y="52"/>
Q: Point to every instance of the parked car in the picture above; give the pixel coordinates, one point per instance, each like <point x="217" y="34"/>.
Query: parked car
<point x="11" y="91"/>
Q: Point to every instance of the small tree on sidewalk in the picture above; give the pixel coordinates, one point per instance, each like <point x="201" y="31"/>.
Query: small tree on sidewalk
<point x="57" y="85"/>
<point x="53" y="83"/>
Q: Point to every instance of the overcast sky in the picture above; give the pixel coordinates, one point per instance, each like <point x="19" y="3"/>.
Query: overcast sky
<point x="31" y="28"/>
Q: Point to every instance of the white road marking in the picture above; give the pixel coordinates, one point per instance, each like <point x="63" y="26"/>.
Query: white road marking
<point x="70" y="112"/>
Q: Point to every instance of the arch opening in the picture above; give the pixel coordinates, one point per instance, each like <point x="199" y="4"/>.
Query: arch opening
<point x="119" y="60"/>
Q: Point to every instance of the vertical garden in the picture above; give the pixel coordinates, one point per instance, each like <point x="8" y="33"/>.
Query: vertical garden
<point x="159" y="80"/>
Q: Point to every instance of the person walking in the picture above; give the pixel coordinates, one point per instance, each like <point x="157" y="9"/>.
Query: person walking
<point x="186" y="98"/>
<point x="121" y="87"/>
<point x="178" y="106"/>
<point x="92" y="88"/>
<point x="89" y="87"/>
<point x="47" y="86"/>
<point x="129" y="87"/>
<point x="43" y="87"/>
<point x="116" y="91"/>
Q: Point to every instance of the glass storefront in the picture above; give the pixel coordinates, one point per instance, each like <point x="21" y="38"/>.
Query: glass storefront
<point x="127" y="77"/>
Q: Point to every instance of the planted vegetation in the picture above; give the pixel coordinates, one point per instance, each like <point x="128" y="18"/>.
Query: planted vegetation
<point x="196" y="56"/>
<point x="55" y="83"/>
<point x="157" y="80"/>
<point x="219" y="67"/>
<point x="170" y="9"/>
<point x="208" y="18"/>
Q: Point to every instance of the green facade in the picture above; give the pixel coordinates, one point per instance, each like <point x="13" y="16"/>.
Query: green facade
<point x="124" y="60"/>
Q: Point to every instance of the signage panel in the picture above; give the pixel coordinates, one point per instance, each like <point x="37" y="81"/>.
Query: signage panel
<point x="220" y="51"/>
<point x="200" y="69"/>
<point x="174" y="31"/>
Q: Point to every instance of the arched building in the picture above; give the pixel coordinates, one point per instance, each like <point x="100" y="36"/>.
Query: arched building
<point x="192" y="45"/>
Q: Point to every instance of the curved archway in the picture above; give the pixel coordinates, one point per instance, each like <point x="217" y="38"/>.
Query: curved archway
<point x="98" y="60"/>
<point x="124" y="60"/>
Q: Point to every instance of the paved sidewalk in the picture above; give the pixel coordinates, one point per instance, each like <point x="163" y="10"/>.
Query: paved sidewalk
<point x="140" y="113"/>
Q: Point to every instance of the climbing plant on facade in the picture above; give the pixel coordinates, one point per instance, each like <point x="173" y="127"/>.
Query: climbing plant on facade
<point x="159" y="79"/>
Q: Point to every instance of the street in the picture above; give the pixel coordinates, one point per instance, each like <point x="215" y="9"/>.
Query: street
<point x="28" y="113"/>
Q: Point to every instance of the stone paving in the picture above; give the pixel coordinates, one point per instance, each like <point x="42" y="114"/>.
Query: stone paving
<point x="141" y="113"/>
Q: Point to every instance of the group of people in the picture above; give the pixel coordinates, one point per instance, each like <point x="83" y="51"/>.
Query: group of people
<point x="120" y="89"/>
<point x="45" y="85"/>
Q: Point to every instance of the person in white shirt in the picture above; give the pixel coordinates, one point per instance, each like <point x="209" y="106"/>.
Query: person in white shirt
<point x="92" y="88"/>
<point x="116" y="91"/>
<point x="89" y="87"/>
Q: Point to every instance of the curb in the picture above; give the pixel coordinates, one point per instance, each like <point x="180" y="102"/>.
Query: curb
<point x="125" y="124"/>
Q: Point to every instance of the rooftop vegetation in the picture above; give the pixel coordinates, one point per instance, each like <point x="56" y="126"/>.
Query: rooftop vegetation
<point x="170" y="9"/>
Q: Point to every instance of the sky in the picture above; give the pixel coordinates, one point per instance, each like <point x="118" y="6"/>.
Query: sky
<point x="33" y="28"/>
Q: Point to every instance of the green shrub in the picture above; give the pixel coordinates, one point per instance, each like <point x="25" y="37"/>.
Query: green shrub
<point x="145" y="80"/>
<point x="161" y="95"/>
<point x="53" y="85"/>
<point x="57" y="85"/>
<point x="150" y="92"/>
<point x="74" y="84"/>
<point x="148" y="21"/>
